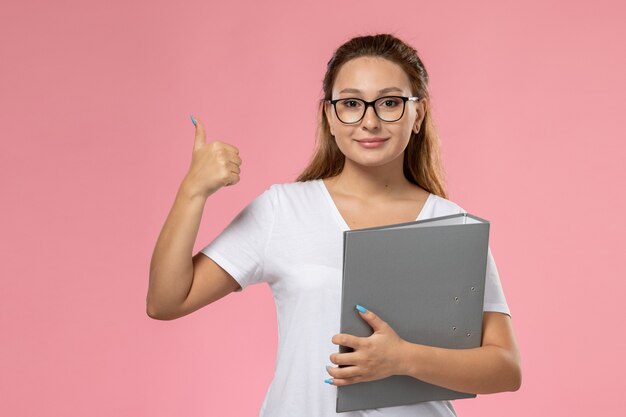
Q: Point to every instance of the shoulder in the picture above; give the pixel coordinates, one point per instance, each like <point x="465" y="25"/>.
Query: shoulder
<point x="443" y="207"/>
<point x="294" y="192"/>
<point x="294" y="186"/>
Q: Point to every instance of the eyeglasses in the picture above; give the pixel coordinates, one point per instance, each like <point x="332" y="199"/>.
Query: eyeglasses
<point x="388" y="108"/>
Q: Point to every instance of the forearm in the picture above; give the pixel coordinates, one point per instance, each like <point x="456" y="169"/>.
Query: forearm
<point x="482" y="370"/>
<point x="171" y="267"/>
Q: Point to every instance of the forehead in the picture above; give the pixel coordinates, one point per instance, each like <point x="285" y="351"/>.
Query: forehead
<point x="369" y="75"/>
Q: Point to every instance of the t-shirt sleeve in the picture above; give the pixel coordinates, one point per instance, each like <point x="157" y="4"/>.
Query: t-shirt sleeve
<point x="240" y="247"/>
<point x="494" y="295"/>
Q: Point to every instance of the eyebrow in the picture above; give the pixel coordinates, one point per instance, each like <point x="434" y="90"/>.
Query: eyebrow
<point x="384" y="90"/>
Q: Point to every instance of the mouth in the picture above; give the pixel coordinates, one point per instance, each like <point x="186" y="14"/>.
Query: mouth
<point x="371" y="140"/>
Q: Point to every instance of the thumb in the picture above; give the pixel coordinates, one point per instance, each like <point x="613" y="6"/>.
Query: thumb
<point x="200" y="138"/>
<point x="372" y="319"/>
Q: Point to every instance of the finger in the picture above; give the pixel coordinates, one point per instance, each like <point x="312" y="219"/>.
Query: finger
<point x="348" y="358"/>
<point x="344" y="373"/>
<point x="345" y="381"/>
<point x="372" y="319"/>
<point x="200" y="138"/>
<point x="234" y="167"/>
<point x="234" y="159"/>
<point x="347" y="340"/>
<point x="231" y="148"/>
<point x="233" y="179"/>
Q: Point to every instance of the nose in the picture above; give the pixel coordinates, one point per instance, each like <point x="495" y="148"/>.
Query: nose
<point x="370" y="120"/>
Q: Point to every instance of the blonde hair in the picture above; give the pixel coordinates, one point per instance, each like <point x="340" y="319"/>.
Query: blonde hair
<point x="422" y="161"/>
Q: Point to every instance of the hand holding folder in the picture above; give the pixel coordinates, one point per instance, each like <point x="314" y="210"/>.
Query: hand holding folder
<point x="426" y="280"/>
<point x="380" y="351"/>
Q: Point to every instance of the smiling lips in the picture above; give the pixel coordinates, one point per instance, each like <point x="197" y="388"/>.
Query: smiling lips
<point x="372" y="140"/>
<point x="372" y="143"/>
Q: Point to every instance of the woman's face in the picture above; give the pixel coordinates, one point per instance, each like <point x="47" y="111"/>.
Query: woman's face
<point x="369" y="78"/>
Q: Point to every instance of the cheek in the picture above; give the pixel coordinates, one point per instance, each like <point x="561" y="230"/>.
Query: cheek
<point x="403" y="132"/>
<point x="343" y="132"/>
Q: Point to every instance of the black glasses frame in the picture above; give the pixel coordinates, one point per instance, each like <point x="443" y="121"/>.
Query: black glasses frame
<point x="371" y="103"/>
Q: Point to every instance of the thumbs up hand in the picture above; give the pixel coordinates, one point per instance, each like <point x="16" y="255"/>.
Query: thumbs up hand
<point x="213" y="165"/>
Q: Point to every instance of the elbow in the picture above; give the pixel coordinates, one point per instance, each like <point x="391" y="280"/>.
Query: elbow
<point x="151" y="312"/>
<point x="513" y="365"/>
<point x="516" y="378"/>
<point x="509" y="376"/>
<point x="509" y="382"/>
<point x="156" y="314"/>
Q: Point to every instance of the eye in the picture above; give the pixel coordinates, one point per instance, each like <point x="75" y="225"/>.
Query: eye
<point x="351" y="103"/>
<point x="390" y="102"/>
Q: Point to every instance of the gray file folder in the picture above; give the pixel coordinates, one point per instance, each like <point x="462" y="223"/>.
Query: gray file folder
<point x="426" y="279"/>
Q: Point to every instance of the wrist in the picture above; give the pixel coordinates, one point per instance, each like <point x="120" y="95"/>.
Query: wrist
<point x="411" y="358"/>
<point x="189" y="192"/>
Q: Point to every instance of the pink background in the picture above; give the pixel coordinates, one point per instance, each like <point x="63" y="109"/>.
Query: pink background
<point x="95" y="138"/>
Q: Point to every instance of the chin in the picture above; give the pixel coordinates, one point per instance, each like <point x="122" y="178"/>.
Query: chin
<point x="371" y="161"/>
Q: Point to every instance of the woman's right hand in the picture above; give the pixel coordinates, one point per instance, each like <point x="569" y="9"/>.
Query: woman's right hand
<point x="213" y="165"/>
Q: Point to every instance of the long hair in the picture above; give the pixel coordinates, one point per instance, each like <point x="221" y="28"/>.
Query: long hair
<point x="422" y="161"/>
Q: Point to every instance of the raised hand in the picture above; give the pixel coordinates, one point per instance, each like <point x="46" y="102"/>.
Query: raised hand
<point x="213" y="165"/>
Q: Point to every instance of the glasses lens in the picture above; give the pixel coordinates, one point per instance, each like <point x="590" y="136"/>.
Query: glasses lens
<point x="349" y="110"/>
<point x="389" y="108"/>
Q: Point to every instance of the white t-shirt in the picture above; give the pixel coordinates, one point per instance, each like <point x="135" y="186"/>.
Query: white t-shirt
<point x="291" y="236"/>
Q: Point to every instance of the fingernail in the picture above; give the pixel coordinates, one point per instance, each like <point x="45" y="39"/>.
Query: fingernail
<point x="193" y="120"/>
<point x="328" y="381"/>
<point x="361" y="309"/>
<point x="327" y="368"/>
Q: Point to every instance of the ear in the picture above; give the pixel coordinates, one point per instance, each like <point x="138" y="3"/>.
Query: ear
<point x="417" y="125"/>
<point x="421" y="113"/>
<point x="327" y="109"/>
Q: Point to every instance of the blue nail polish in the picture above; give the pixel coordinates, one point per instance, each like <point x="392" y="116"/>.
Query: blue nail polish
<point x="361" y="309"/>
<point x="328" y="381"/>
<point x="193" y="120"/>
<point x="327" y="368"/>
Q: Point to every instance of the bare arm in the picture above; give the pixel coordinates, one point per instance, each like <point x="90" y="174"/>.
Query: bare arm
<point x="178" y="282"/>
<point x="492" y="367"/>
<point x="172" y="266"/>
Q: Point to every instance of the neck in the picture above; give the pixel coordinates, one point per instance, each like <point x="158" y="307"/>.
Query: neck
<point x="372" y="182"/>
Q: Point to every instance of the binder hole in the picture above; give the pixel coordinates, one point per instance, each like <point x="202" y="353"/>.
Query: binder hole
<point x="468" y="335"/>
<point x="456" y="298"/>
<point x="454" y="328"/>
<point x="472" y="288"/>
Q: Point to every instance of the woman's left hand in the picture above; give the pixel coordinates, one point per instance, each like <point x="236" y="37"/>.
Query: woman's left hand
<point x="375" y="357"/>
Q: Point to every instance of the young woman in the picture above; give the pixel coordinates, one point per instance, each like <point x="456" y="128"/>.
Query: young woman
<point x="376" y="163"/>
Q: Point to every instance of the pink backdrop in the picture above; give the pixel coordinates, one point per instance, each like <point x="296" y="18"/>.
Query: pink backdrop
<point x="95" y="137"/>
